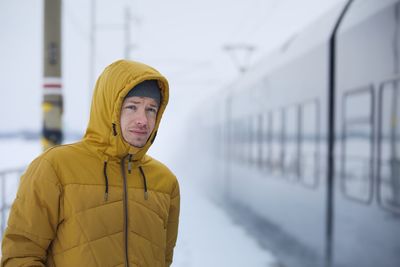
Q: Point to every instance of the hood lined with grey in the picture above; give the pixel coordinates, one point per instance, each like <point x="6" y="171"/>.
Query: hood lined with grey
<point x="147" y="88"/>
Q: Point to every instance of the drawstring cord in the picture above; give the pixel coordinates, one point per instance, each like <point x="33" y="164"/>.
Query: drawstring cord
<point x="106" y="179"/>
<point x="146" y="196"/>
<point x="130" y="164"/>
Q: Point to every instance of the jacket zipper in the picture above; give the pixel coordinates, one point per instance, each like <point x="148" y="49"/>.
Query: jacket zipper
<point x="125" y="200"/>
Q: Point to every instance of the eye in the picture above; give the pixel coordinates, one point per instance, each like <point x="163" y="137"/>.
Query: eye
<point x="132" y="107"/>
<point x="152" y="110"/>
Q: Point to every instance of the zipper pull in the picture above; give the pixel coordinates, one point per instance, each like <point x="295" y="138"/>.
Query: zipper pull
<point x="130" y="164"/>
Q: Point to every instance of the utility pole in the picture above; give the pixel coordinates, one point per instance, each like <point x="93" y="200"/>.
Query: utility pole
<point x="127" y="32"/>
<point x="92" y="48"/>
<point x="52" y="104"/>
<point x="127" y="27"/>
<point x="94" y="27"/>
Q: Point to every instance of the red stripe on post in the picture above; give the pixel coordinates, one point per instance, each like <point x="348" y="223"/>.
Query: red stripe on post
<point x="52" y="85"/>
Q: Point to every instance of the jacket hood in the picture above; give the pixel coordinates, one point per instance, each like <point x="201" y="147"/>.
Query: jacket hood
<point x="103" y="133"/>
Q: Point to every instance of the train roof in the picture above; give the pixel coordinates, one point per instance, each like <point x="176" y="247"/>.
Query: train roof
<point x="315" y="34"/>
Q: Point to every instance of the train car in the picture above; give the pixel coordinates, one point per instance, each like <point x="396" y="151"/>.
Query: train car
<point x="308" y="140"/>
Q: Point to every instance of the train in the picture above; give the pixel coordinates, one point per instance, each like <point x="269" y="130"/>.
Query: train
<point x="307" y="141"/>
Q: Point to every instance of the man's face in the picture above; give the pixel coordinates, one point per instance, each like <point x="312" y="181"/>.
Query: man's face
<point x="138" y="118"/>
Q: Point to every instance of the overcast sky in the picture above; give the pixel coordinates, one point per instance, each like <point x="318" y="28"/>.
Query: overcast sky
<point x="184" y="39"/>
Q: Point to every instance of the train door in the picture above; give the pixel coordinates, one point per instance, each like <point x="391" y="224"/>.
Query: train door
<point x="367" y="200"/>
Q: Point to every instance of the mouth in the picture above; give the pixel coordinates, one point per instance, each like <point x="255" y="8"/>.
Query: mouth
<point x="138" y="132"/>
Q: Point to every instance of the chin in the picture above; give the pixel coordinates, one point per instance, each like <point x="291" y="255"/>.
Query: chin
<point x="137" y="144"/>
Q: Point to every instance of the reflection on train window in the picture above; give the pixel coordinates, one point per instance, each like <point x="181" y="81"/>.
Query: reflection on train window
<point x="249" y="140"/>
<point x="252" y="137"/>
<point x="254" y="140"/>
<point x="266" y="139"/>
<point x="245" y="140"/>
<point x="309" y="143"/>
<point x="242" y="140"/>
<point x="227" y="141"/>
<point x="235" y="139"/>
<point x="389" y="147"/>
<point x="216" y="143"/>
<point x="356" y="155"/>
<point x="277" y="151"/>
<point x="258" y="143"/>
<point x="291" y="159"/>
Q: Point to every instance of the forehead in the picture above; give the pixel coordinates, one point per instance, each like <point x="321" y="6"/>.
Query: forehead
<point x="140" y="100"/>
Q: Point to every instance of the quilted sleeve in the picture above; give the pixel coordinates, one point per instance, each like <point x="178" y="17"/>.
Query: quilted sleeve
<point x="173" y="221"/>
<point x="34" y="217"/>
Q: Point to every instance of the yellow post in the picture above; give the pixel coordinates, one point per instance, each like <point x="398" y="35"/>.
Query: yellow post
<point x="52" y="104"/>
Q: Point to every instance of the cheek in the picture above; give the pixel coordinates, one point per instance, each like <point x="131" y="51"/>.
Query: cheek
<point x="152" y="123"/>
<point x="124" y="120"/>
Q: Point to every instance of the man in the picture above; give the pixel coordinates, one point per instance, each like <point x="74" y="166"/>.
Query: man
<point x="101" y="201"/>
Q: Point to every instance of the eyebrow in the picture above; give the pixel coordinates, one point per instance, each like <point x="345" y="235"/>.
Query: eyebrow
<point x="139" y="102"/>
<point x="154" y="105"/>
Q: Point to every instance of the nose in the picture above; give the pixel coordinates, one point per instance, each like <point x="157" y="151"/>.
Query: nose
<point x="141" y="119"/>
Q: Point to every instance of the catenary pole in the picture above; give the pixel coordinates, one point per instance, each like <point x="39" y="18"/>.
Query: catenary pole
<point x="92" y="48"/>
<point x="52" y="104"/>
<point x="127" y="32"/>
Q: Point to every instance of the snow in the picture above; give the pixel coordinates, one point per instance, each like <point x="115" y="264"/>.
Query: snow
<point x="17" y="153"/>
<point x="207" y="236"/>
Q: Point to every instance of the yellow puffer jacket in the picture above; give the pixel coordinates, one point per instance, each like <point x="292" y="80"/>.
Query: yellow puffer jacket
<point x="98" y="202"/>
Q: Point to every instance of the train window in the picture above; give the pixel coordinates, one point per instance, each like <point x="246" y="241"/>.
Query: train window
<point x="245" y="130"/>
<point x="309" y="159"/>
<point x="239" y="131"/>
<point x="266" y="139"/>
<point x="245" y="137"/>
<point x="216" y="139"/>
<point x="291" y="159"/>
<point x="258" y="144"/>
<point x="389" y="146"/>
<point x="254" y="139"/>
<point x="356" y="145"/>
<point x="235" y="140"/>
<point x="228" y="139"/>
<point x="277" y="142"/>
<point x="249" y="140"/>
<point x="242" y="140"/>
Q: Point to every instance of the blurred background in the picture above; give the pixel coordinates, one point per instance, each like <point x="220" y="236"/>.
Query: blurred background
<point x="202" y="47"/>
<point x="184" y="40"/>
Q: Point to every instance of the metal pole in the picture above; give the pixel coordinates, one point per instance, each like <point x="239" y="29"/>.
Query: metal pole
<point x="52" y="94"/>
<point x="92" y="48"/>
<point x="127" y="32"/>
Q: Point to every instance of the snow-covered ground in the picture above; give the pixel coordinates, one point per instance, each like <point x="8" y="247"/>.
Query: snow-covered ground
<point x="207" y="235"/>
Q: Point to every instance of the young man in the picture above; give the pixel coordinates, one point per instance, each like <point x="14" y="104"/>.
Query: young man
<point x="101" y="201"/>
